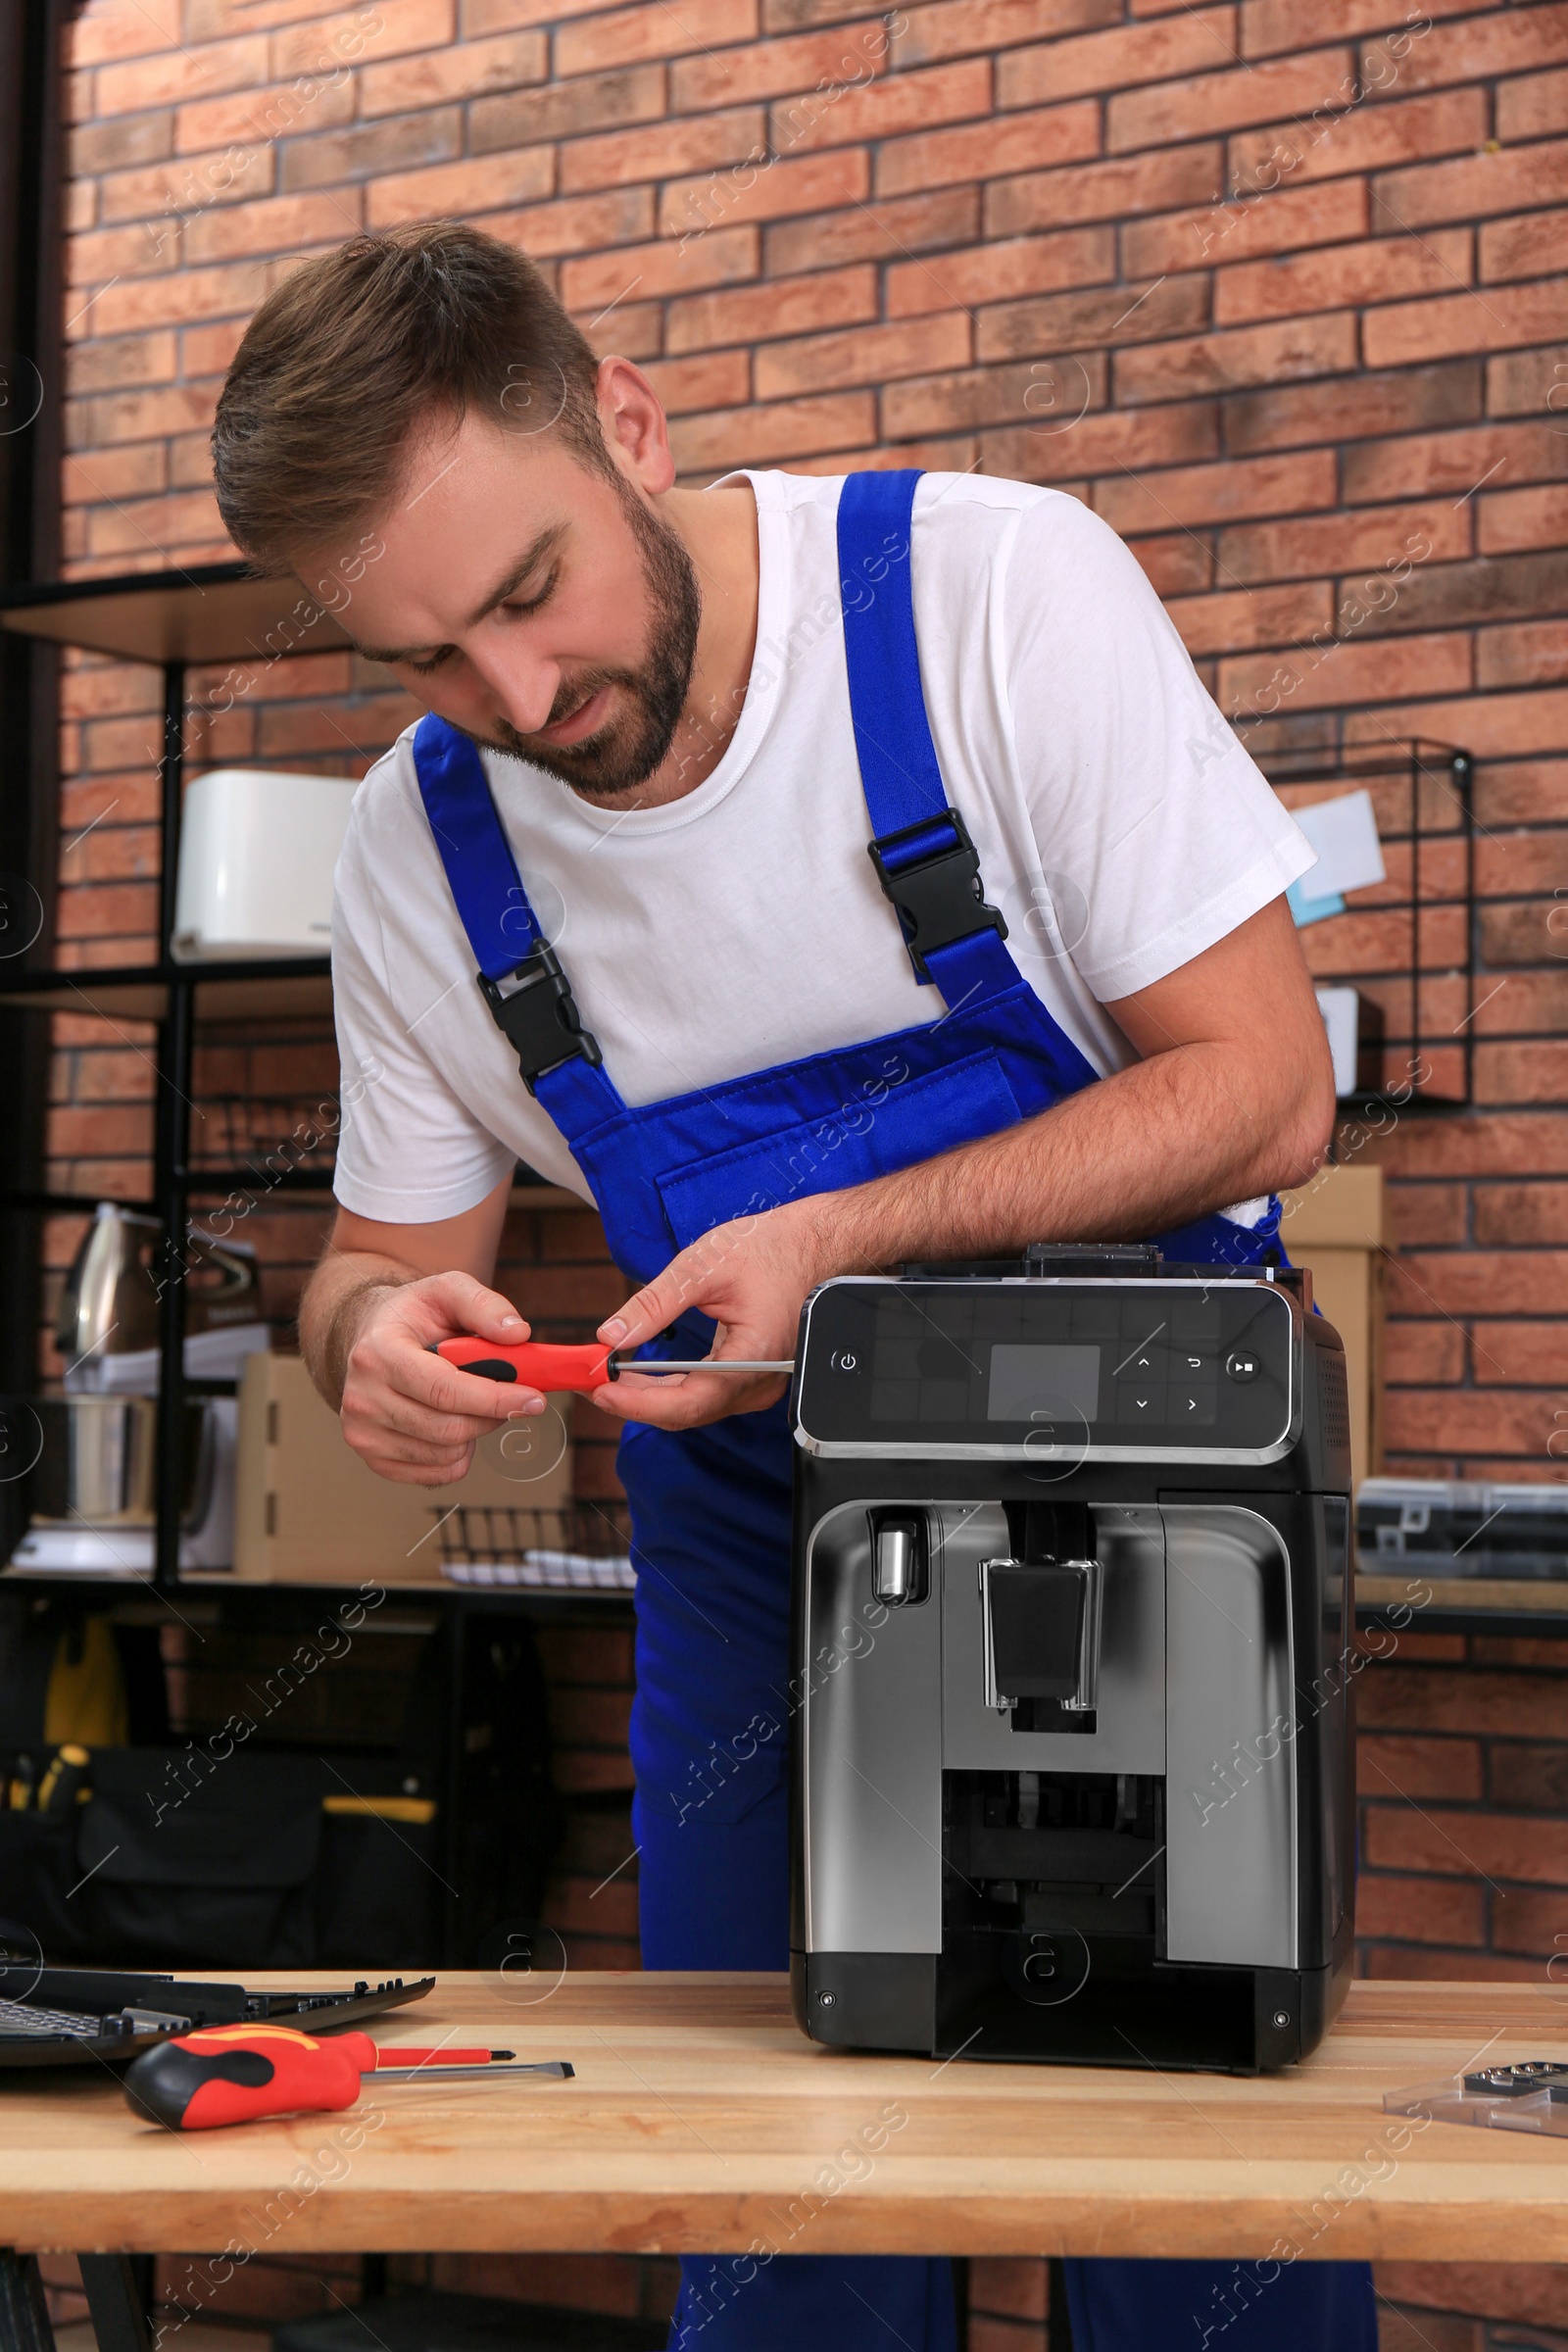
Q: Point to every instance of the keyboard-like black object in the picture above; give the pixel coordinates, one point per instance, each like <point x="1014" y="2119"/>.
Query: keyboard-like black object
<point x="70" y="2016"/>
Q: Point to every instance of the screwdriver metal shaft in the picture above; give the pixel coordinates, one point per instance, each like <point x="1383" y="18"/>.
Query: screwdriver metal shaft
<point x="559" y="2067"/>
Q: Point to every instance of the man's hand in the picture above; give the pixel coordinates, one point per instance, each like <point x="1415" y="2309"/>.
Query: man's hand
<point x="410" y="1415"/>
<point x="379" y="1296"/>
<point x="753" y="1277"/>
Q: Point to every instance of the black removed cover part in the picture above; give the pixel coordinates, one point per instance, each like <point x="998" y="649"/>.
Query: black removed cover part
<point x="436" y="2323"/>
<point x="80" y="2016"/>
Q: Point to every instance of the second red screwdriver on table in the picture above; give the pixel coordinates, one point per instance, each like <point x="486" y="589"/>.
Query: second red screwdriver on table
<point x="238" y="2074"/>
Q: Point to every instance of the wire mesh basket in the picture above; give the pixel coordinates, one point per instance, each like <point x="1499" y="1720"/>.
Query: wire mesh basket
<point x="1408" y="944"/>
<point x="574" y="1548"/>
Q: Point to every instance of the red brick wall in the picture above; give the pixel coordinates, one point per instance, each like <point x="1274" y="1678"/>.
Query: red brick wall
<point x="1463" y="1781"/>
<point x="1306" y="329"/>
<point x="1267" y="283"/>
<point x="1464" y="1787"/>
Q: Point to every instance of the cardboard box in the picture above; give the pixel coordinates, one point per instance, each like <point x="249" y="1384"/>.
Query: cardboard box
<point x="1334" y="1225"/>
<point x="308" y="1510"/>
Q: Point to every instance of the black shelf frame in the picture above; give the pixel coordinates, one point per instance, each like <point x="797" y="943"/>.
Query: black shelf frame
<point x="1478" y="1617"/>
<point x="140" y="992"/>
<point x="202" y="616"/>
<point x="199" y="1179"/>
<point x="1423" y="763"/>
<point x="175" y="1055"/>
<point x="207" y="616"/>
<point x="208" y="613"/>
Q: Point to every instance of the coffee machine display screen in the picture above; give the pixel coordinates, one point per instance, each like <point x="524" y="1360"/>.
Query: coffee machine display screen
<point x="1030" y="1379"/>
<point x="988" y="1365"/>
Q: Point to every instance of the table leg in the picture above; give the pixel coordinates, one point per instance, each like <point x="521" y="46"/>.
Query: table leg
<point x="1059" y="2319"/>
<point x="24" y="2314"/>
<point x="113" y="2299"/>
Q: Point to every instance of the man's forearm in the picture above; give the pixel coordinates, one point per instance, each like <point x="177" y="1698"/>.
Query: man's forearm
<point x="1152" y="1146"/>
<point x="365" y="1261"/>
<point x="1231" y="1095"/>
<point x="345" y="1285"/>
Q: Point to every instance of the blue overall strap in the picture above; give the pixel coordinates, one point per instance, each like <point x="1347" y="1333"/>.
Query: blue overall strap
<point x="927" y="864"/>
<point x="899" y="768"/>
<point x="482" y="873"/>
<point x="519" y="971"/>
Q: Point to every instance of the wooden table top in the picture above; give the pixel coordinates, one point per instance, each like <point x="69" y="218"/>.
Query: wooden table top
<point x="700" y="2120"/>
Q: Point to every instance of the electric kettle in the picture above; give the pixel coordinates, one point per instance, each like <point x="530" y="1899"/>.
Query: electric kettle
<point x="91" y="1491"/>
<point x="109" y="1306"/>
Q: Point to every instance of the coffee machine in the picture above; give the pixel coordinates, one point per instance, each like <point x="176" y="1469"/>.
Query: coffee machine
<point x="1072" y="1715"/>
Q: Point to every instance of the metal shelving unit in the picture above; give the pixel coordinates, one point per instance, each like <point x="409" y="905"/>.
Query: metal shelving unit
<point x="215" y="613"/>
<point x="210" y="613"/>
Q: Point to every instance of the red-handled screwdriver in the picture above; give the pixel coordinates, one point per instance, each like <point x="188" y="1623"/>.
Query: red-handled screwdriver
<point x="372" y="2059"/>
<point x="578" y="1370"/>
<point x="237" y="2074"/>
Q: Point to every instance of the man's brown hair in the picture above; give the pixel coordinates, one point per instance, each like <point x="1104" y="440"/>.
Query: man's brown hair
<point x="353" y="351"/>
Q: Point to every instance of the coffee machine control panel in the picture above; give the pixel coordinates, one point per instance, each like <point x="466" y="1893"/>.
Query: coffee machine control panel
<point x="1164" y="1369"/>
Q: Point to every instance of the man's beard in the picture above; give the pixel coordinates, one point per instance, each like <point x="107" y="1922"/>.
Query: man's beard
<point x="625" y="750"/>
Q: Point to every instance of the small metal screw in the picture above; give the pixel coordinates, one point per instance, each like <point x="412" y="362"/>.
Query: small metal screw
<point x="1282" y="2017"/>
<point x="826" y="2000"/>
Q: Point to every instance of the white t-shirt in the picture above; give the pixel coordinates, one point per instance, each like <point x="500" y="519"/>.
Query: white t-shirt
<point x="1121" y="827"/>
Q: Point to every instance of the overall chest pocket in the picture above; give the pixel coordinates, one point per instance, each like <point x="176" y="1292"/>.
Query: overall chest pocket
<point x="915" y="1118"/>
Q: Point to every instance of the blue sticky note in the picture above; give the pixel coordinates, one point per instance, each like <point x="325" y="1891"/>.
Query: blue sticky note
<point x="1308" y="909"/>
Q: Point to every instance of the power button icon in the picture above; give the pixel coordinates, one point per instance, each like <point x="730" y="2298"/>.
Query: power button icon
<point x="844" y="1362"/>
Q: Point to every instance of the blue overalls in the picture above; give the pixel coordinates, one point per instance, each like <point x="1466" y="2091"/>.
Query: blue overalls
<point x="711" y="1507"/>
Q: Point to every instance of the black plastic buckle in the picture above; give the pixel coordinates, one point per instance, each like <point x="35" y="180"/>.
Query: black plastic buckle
<point x="937" y="899"/>
<point x="535" y="1006"/>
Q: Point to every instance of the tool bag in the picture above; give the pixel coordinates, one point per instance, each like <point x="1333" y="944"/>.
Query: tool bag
<point x="187" y="1863"/>
<point x="62" y="1677"/>
<point x="180" y="1859"/>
